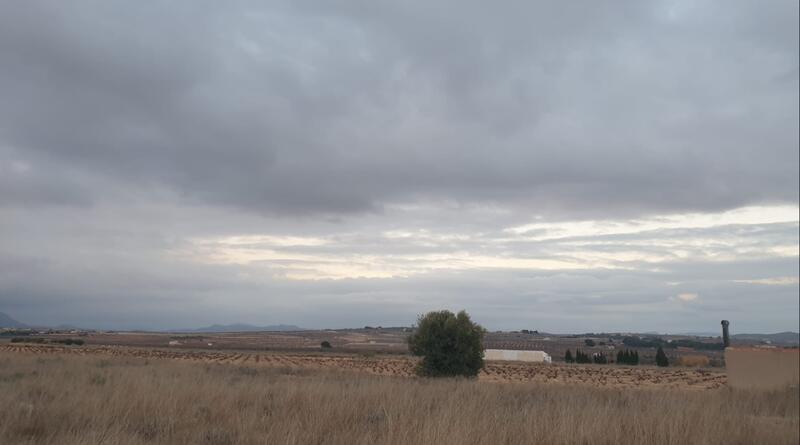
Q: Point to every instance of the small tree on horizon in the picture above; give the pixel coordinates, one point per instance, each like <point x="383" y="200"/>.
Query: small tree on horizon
<point x="661" y="358"/>
<point x="628" y="357"/>
<point x="450" y="344"/>
<point x="582" y="357"/>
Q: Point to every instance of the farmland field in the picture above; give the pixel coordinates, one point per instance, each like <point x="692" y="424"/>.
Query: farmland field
<point x="403" y="366"/>
<point x="375" y="340"/>
<point x="122" y="395"/>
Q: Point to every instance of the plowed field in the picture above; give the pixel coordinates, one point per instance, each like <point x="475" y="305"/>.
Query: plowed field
<point x="403" y="366"/>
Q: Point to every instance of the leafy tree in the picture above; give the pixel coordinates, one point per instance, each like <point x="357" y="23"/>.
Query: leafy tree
<point x="568" y="357"/>
<point x="450" y="344"/>
<point x="661" y="358"/>
<point x="589" y="342"/>
<point x="325" y="344"/>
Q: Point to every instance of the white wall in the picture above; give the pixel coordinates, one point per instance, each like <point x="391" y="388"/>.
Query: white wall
<point x="518" y="356"/>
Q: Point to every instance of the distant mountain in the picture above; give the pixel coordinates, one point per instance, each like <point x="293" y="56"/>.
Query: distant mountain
<point x="781" y="338"/>
<point x="7" y="322"/>
<point x="240" y="327"/>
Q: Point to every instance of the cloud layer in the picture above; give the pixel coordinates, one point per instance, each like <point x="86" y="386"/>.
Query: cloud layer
<point x="163" y="163"/>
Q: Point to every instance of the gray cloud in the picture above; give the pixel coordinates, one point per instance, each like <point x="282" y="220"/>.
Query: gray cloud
<point x="573" y="109"/>
<point x="136" y="137"/>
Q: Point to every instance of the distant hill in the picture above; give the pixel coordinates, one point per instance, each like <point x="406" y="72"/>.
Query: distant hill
<point x="701" y="334"/>
<point x="781" y="338"/>
<point x="7" y="322"/>
<point x="240" y="327"/>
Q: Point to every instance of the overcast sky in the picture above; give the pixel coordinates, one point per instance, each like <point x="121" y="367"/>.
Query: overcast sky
<point x="561" y="166"/>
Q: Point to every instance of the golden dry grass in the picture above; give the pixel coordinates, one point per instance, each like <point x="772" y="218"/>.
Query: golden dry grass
<point x="69" y="399"/>
<point x="693" y="360"/>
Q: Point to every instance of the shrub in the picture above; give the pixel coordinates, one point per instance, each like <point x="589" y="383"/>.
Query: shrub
<point x="661" y="358"/>
<point x="69" y="341"/>
<point x="325" y="345"/>
<point x="450" y="344"/>
<point x="27" y="340"/>
<point x="589" y="342"/>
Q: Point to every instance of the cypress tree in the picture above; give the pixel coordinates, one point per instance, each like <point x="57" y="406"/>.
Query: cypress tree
<point x="582" y="357"/>
<point x="661" y="358"/>
<point x="568" y="357"/>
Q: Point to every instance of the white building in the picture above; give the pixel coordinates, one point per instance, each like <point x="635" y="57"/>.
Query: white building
<point x="517" y="356"/>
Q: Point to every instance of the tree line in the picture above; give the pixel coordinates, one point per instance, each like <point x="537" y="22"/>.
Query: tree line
<point x="655" y="342"/>
<point x="624" y="357"/>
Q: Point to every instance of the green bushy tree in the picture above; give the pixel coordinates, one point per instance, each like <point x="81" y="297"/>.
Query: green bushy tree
<point x="450" y="344"/>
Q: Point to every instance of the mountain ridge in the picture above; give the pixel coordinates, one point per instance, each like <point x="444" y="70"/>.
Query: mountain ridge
<point x="7" y="322"/>
<point x="243" y="327"/>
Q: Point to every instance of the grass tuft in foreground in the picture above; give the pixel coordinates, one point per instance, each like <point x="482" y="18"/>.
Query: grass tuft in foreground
<point x="85" y="400"/>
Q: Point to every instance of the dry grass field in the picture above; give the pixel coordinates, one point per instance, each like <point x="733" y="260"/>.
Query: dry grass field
<point x="61" y="398"/>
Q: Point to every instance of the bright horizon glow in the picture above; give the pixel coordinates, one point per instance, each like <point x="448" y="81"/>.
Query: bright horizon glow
<point x="271" y="251"/>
